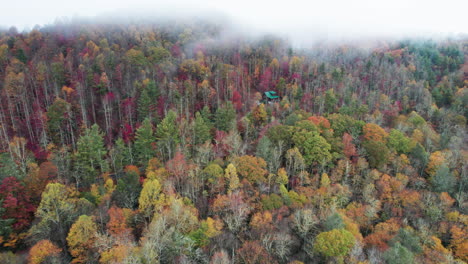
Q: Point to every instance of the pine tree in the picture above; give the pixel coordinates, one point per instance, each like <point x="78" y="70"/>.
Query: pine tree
<point x="225" y="117"/>
<point x="145" y="138"/>
<point x="148" y="99"/>
<point x="121" y="155"/>
<point x="90" y="156"/>
<point x="167" y="135"/>
<point x="201" y="130"/>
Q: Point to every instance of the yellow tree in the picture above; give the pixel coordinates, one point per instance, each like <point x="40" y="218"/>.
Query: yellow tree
<point x="81" y="239"/>
<point x="259" y="115"/>
<point x="149" y="197"/>
<point x="435" y="161"/>
<point x="43" y="250"/>
<point x="231" y="176"/>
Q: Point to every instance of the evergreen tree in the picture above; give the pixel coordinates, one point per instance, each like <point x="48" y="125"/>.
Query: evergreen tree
<point x="167" y="135"/>
<point x="145" y="138"/>
<point x="90" y="156"/>
<point x="398" y="254"/>
<point x="443" y="180"/>
<point x="121" y="155"/>
<point x="225" y="117"/>
<point x="128" y="190"/>
<point x="201" y="130"/>
<point x="147" y="101"/>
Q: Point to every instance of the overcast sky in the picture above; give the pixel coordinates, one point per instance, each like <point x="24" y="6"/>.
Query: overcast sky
<point x="332" y="18"/>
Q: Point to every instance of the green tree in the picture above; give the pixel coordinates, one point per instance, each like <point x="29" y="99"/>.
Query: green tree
<point x="398" y="254"/>
<point x="90" y="156"/>
<point x="5" y="224"/>
<point x="330" y="101"/>
<point x="334" y="243"/>
<point x="147" y="101"/>
<point x="314" y="148"/>
<point x="408" y="238"/>
<point x="399" y="142"/>
<point x="121" y="155"/>
<point x="56" y="118"/>
<point x="334" y="221"/>
<point x="167" y="135"/>
<point x="127" y="190"/>
<point x="201" y="131"/>
<point x="443" y="180"/>
<point x="377" y="153"/>
<point x="144" y="139"/>
<point x="7" y="166"/>
<point x="225" y="117"/>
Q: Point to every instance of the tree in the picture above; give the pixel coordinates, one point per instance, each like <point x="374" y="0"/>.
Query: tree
<point x="56" y="117"/>
<point x="38" y="178"/>
<point x="5" y="224"/>
<point x="459" y="242"/>
<point x="44" y="251"/>
<point x="409" y="239"/>
<point x="16" y="203"/>
<point x="334" y="221"/>
<point x="167" y="135"/>
<point x="147" y="101"/>
<point x="128" y="188"/>
<point x="121" y="155"/>
<point x="7" y="166"/>
<point x="259" y="115"/>
<point x="144" y="149"/>
<point x="373" y="132"/>
<point x="90" y="156"/>
<point x="377" y="153"/>
<point x="55" y="213"/>
<point x="399" y="142"/>
<point x="81" y="239"/>
<point x="334" y="243"/>
<point x="330" y="101"/>
<point x="231" y="175"/>
<point x="117" y="225"/>
<point x="443" y="180"/>
<point x="436" y="160"/>
<point x="201" y="130"/>
<point x="252" y="252"/>
<point x="225" y="117"/>
<point x="251" y="168"/>
<point x="314" y="148"/>
<point x="294" y="161"/>
<point x="398" y="254"/>
<point x="149" y="197"/>
<point x="349" y="149"/>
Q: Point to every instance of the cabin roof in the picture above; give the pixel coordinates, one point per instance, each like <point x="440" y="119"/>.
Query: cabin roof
<point x="271" y="95"/>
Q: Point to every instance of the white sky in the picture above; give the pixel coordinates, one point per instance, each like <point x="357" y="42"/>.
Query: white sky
<point x="298" y="19"/>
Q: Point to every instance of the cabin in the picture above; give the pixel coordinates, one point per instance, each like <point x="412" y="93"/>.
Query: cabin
<point x="270" y="96"/>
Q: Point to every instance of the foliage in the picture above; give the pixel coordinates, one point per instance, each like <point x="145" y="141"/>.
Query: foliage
<point x="398" y="254"/>
<point x="144" y="139"/>
<point x="90" y="155"/>
<point x="334" y="243"/>
<point x="81" y="239"/>
<point x="43" y="251"/>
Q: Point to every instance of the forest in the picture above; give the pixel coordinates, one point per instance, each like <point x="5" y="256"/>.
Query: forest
<point x="155" y="143"/>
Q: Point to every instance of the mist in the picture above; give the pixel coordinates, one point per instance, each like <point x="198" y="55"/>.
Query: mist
<point x="300" y="22"/>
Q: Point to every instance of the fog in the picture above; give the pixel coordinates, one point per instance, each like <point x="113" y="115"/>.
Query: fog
<point x="299" y="21"/>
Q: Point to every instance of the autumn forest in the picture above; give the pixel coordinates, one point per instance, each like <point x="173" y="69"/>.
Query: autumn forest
<point x="178" y="143"/>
